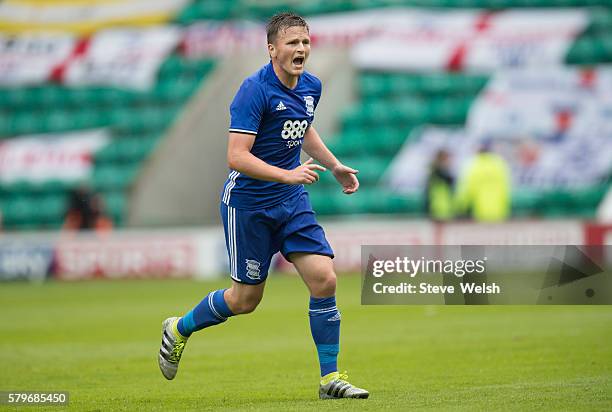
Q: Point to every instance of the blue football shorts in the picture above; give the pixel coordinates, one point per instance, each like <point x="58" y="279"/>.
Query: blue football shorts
<point x="252" y="237"/>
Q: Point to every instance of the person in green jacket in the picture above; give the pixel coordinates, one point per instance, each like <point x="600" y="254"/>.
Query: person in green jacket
<point x="484" y="187"/>
<point x="439" y="190"/>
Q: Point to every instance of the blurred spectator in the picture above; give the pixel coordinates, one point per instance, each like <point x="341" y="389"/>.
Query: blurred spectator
<point x="484" y="187"/>
<point x="86" y="212"/>
<point x="78" y="213"/>
<point x="102" y="222"/>
<point x="439" y="189"/>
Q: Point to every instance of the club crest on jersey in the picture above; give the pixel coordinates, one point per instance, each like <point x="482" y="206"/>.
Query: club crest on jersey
<point x="252" y="267"/>
<point x="309" y="105"/>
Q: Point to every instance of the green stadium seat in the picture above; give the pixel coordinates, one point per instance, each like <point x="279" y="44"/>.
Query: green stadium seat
<point x="587" y="198"/>
<point x="114" y="204"/>
<point x="127" y="149"/>
<point x="370" y="168"/>
<point x="591" y="50"/>
<point x="20" y="210"/>
<point x="210" y="9"/>
<point x="600" y="21"/>
<point x="388" y="85"/>
<point x="52" y="208"/>
<point x="322" y="201"/>
<point x="525" y="202"/>
<point x="381" y="200"/>
<point x="373" y="199"/>
<point x="113" y="177"/>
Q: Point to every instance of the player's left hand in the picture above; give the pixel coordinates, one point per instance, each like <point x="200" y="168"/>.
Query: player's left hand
<point x="347" y="178"/>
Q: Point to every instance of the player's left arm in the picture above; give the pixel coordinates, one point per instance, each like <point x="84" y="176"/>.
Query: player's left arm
<point x="313" y="145"/>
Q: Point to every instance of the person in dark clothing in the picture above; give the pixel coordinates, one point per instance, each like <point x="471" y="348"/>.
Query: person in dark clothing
<point x="85" y="211"/>
<point x="439" y="190"/>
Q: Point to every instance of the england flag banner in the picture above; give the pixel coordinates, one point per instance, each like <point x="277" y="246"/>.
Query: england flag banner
<point x="30" y="59"/>
<point x="128" y="58"/>
<point x="471" y="40"/>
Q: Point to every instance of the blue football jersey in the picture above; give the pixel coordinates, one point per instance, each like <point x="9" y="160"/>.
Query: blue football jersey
<point x="278" y="117"/>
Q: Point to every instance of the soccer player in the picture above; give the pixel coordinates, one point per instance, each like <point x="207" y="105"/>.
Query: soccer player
<point x="265" y="208"/>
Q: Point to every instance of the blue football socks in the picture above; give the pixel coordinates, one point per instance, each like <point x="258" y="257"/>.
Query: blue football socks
<point x="325" y="328"/>
<point x="211" y="311"/>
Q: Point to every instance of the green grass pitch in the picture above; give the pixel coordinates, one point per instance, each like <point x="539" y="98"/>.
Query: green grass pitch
<point x="99" y="341"/>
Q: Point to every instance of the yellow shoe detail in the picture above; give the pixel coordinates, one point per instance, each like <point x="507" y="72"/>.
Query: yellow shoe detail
<point x="176" y="331"/>
<point x="329" y="377"/>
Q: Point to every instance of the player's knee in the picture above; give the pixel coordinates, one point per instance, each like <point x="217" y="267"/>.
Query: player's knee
<point x="243" y="299"/>
<point x="326" y="286"/>
<point x="330" y="284"/>
<point x="245" y="305"/>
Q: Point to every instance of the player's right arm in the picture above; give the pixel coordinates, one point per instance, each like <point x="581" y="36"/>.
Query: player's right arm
<point x="240" y="158"/>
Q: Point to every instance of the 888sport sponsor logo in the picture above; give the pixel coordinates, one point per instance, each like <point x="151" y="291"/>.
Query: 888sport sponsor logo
<point x="293" y="132"/>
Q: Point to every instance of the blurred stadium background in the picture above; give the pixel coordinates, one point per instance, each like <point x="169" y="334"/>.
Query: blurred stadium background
<point x="128" y="100"/>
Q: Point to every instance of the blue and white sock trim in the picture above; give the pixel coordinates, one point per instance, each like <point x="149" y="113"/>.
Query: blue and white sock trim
<point x="325" y="310"/>
<point x="212" y="306"/>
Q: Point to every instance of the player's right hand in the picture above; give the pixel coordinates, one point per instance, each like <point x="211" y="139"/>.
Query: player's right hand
<point x="304" y="174"/>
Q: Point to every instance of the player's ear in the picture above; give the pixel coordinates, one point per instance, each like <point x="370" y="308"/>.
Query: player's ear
<point x="271" y="50"/>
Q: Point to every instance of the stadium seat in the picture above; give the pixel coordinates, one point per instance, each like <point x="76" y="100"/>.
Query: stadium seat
<point x="20" y="210"/>
<point x="114" y="203"/>
<point x="113" y="176"/>
<point x="52" y="208"/>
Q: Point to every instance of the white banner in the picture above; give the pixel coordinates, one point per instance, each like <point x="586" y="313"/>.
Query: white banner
<point x="39" y="158"/>
<point x="414" y="39"/>
<point x="575" y="160"/>
<point x="470" y="40"/>
<point x="220" y="38"/>
<point x="410" y="167"/>
<point x="162" y="256"/>
<point x="544" y="103"/>
<point x="30" y="59"/>
<point x="198" y="253"/>
<point x="127" y="58"/>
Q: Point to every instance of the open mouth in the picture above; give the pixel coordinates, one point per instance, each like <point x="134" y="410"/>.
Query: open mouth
<point x="298" y="61"/>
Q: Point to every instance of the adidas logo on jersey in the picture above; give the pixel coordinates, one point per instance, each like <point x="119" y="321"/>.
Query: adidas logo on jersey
<point x="280" y="106"/>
